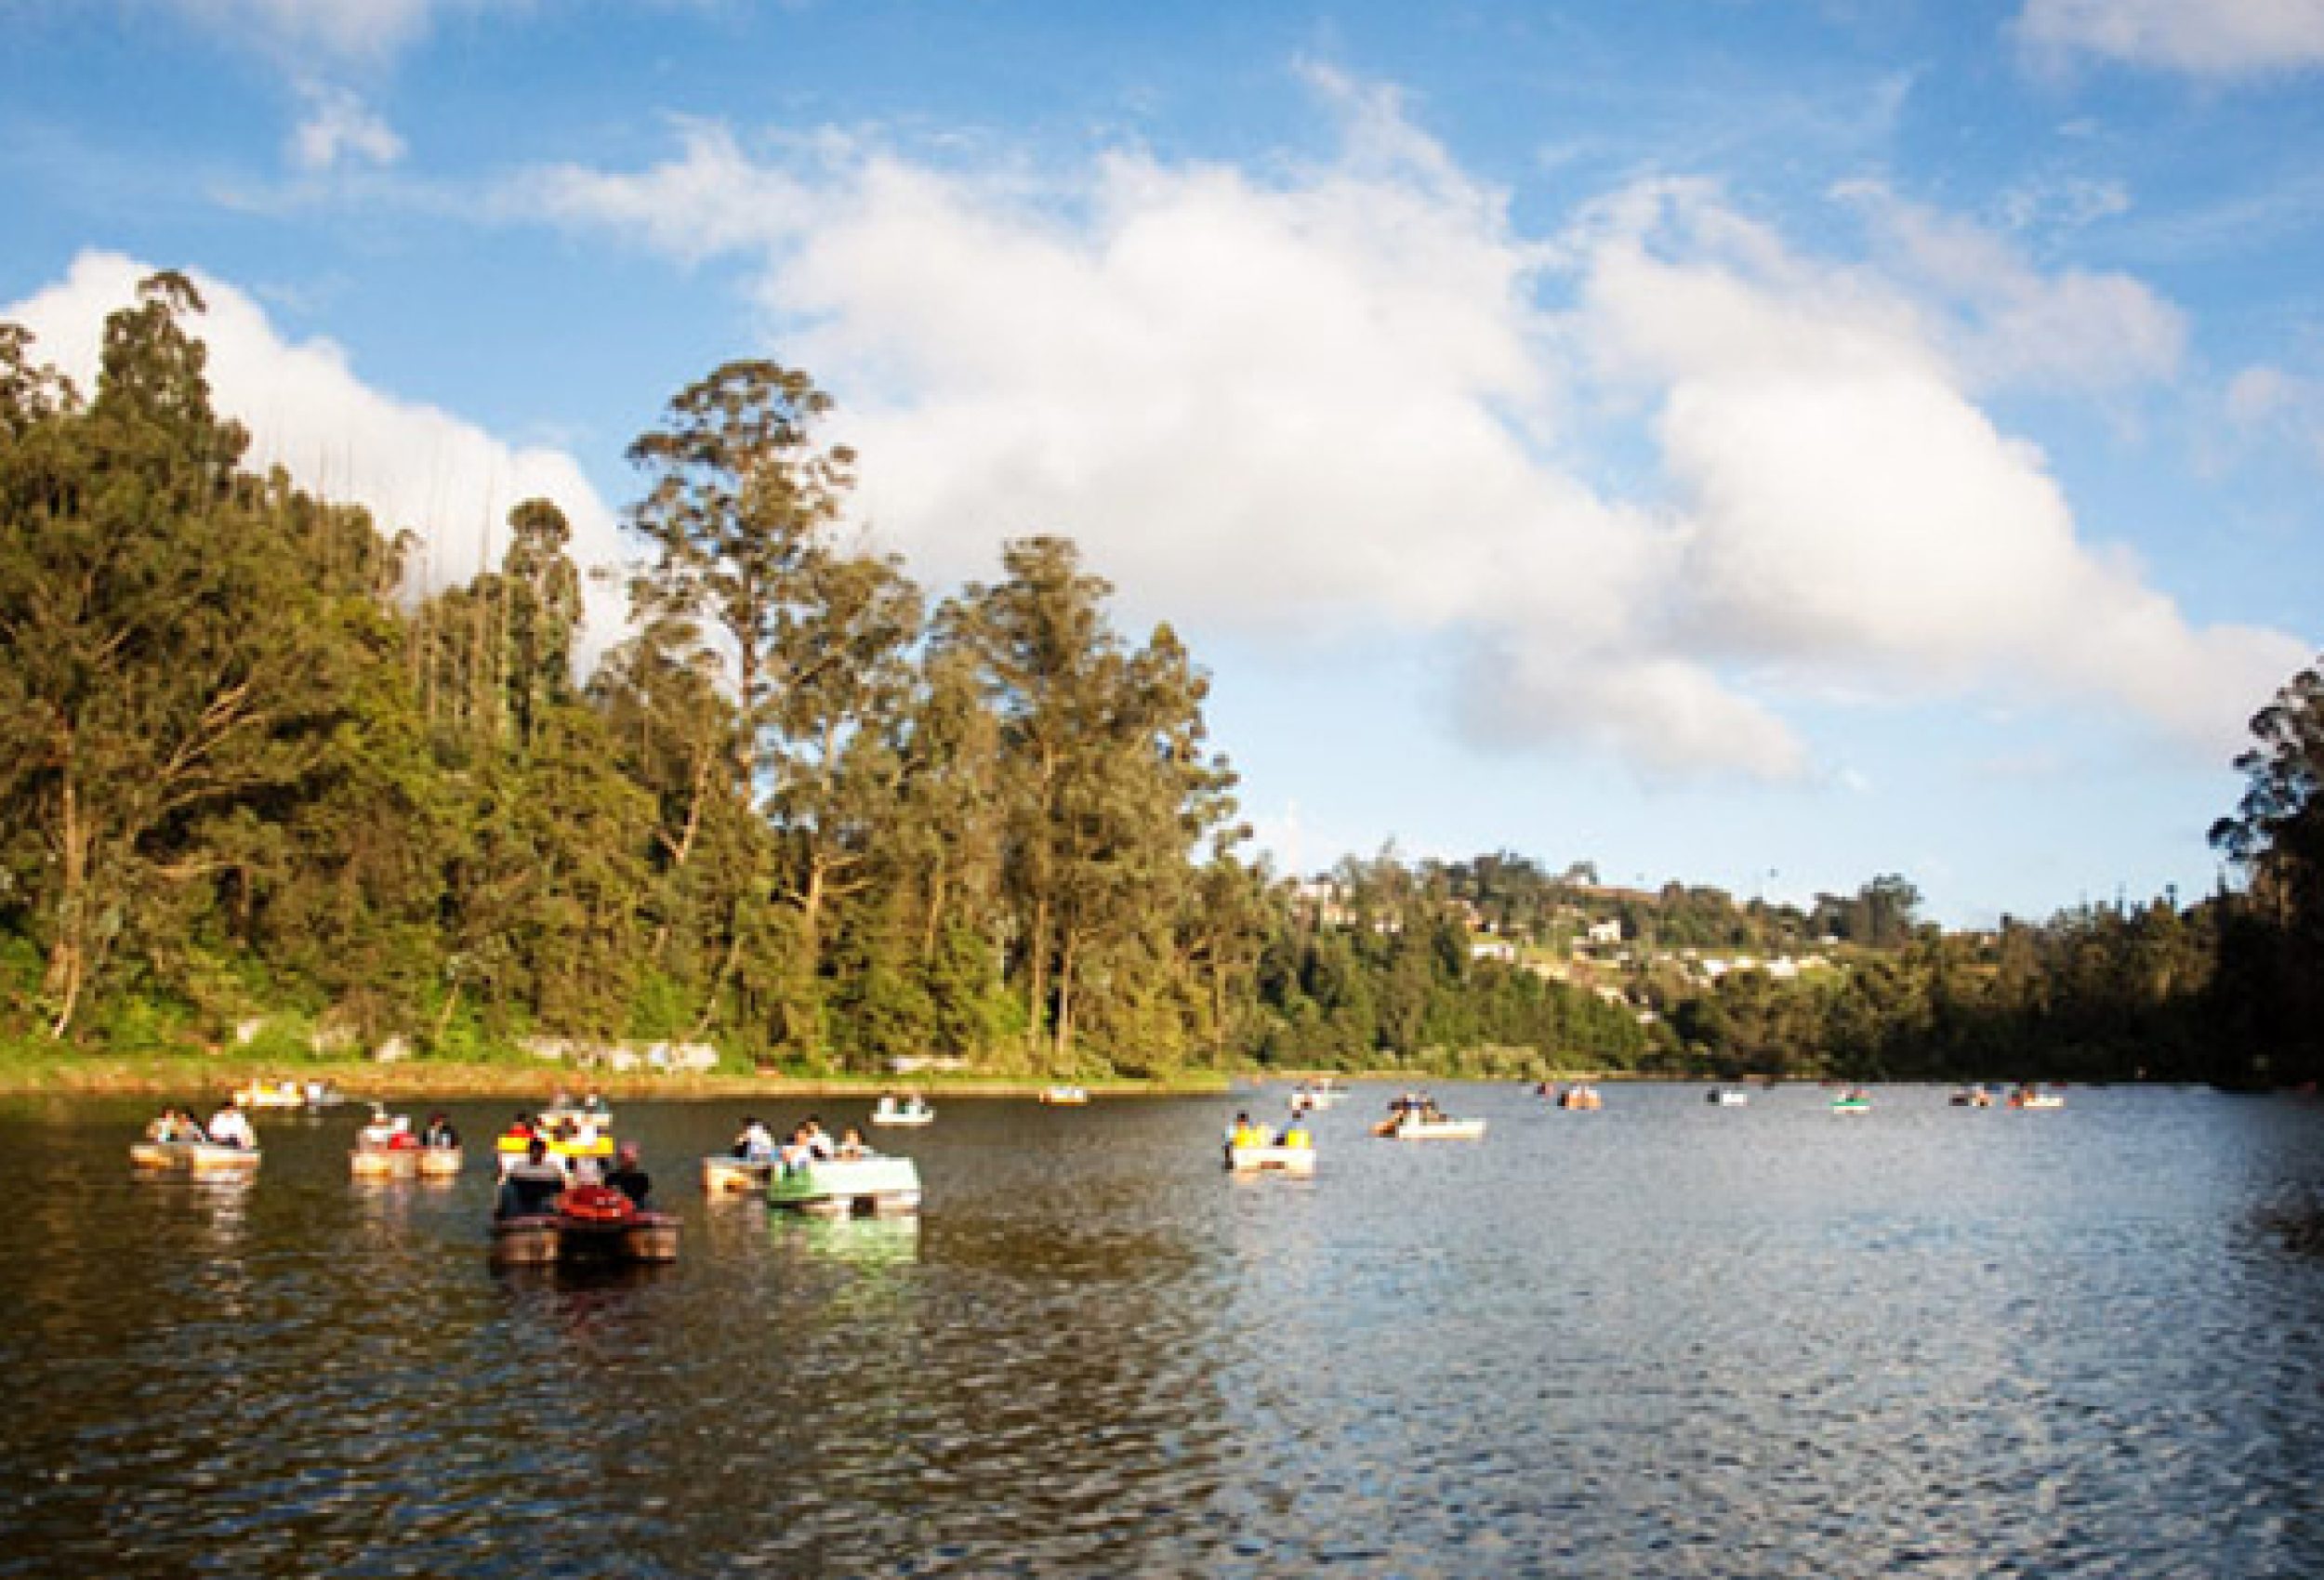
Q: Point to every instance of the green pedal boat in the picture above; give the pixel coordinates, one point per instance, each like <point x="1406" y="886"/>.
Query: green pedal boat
<point x="841" y="1187"/>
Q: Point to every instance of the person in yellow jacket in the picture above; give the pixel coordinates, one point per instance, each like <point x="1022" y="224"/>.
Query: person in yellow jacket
<point x="1246" y="1134"/>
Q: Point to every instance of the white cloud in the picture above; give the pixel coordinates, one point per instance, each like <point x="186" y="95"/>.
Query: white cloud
<point x="1849" y="511"/>
<point x="346" y="29"/>
<point x="411" y="465"/>
<point x="2070" y="201"/>
<point x="1333" y="400"/>
<point x="2215" y="38"/>
<point x="2073" y="329"/>
<point x="2270" y="403"/>
<point x="340" y="129"/>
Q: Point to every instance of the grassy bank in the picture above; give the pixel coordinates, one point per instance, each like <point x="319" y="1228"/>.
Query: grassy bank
<point x="39" y="1069"/>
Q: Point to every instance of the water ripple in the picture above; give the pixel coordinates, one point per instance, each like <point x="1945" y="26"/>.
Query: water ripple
<point x="1661" y="1340"/>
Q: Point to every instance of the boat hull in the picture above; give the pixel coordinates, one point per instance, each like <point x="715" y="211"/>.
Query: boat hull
<point x="441" y="1162"/>
<point x="734" y="1176"/>
<point x="842" y="1188"/>
<point x="555" y="1238"/>
<point x="1432" y="1130"/>
<point x="1299" y="1161"/>
<point x="384" y="1163"/>
<point x="195" y="1157"/>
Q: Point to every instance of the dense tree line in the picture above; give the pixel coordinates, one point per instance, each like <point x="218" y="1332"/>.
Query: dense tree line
<point x="796" y="813"/>
<point x="804" y="814"/>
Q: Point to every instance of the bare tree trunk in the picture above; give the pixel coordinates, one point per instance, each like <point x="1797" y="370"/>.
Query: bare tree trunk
<point x="1037" y="980"/>
<point x="717" y="979"/>
<point x="932" y="926"/>
<point x="683" y="847"/>
<point x="68" y="957"/>
<point x="1065" y="1046"/>
<point x="811" y="915"/>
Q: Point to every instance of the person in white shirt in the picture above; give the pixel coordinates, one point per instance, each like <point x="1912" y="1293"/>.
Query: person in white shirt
<point x="756" y="1143"/>
<point x="231" y="1127"/>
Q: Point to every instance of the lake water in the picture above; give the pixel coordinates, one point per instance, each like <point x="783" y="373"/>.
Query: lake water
<point x="1661" y="1339"/>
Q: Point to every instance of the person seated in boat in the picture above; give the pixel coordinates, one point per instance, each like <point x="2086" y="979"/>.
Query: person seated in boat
<point x="851" y="1146"/>
<point x="531" y="1188"/>
<point x="819" y="1141"/>
<point x="231" y="1127"/>
<point x="627" y="1178"/>
<point x="175" y="1125"/>
<point x="439" y="1136"/>
<point x="1296" y="1135"/>
<point x="520" y="1127"/>
<point x="797" y="1152"/>
<point x="1245" y="1133"/>
<point x="594" y="1102"/>
<point x="755" y="1143"/>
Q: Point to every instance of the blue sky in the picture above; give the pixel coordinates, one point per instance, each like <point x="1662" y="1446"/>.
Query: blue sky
<point x="1759" y="443"/>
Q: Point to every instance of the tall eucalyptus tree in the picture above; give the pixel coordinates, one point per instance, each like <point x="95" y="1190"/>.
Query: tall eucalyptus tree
<point x="164" y="653"/>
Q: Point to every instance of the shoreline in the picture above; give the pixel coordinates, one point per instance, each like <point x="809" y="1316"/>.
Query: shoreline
<point x="167" y="1075"/>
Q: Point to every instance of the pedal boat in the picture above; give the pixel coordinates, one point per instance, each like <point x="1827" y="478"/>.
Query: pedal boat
<point x="592" y="1224"/>
<point x="842" y="1187"/>
<point x="1405" y="1128"/>
<point x="195" y="1157"/>
<point x="1298" y="1162"/>
<point x="908" y="1110"/>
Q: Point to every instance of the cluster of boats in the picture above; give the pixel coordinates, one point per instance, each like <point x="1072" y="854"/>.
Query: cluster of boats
<point x="811" y="1172"/>
<point x="571" y="1196"/>
<point x="2027" y="1095"/>
<point x="313" y="1097"/>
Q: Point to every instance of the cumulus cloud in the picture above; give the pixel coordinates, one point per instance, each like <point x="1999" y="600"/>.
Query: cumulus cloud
<point x="2215" y="38"/>
<point x="340" y="129"/>
<point x="1353" y="397"/>
<point x="1850" y="511"/>
<point x="411" y="465"/>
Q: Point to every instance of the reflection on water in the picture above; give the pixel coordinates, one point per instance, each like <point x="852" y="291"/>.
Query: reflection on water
<point x="864" y="1241"/>
<point x="1662" y="1339"/>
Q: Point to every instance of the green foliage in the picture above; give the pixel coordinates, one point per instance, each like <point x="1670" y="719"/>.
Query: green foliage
<point x="2271" y="976"/>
